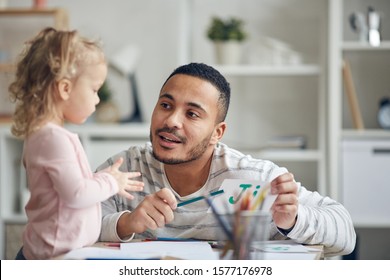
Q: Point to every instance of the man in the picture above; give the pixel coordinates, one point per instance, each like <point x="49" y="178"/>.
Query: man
<point x="185" y="159"/>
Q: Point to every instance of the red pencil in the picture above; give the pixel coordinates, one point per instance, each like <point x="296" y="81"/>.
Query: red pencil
<point x="117" y="245"/>
<point x="245" y="202"/>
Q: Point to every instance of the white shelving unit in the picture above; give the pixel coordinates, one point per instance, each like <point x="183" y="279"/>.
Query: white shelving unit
<point x="246" y="79"/>
<point x="359" y="160"/>
<point x="309" y="156"/>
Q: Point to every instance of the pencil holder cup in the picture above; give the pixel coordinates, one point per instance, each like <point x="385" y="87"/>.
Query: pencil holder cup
<point x="250" y="230"/>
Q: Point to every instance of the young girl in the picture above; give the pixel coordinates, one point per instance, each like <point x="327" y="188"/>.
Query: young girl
<point x="57" y="80"/>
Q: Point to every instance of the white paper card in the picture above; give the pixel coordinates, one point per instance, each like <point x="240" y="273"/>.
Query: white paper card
<point x="236" y="189"/>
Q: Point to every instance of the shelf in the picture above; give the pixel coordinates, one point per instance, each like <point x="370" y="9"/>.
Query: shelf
<point x="7" y="68"/>
<point x="277" y="70"/>
<point x="28" y="11"/>
<point x="5" y="119"/>
<point x="288" y="155"/>
<point x="360" y="46"/>
<point x="372" y="224"/>
<point x="15" y="219"/>
<point x="61" y="20"/>
<point x="366" y="134"/>
<point x="97" y="130"/>
<point x="123" y="130"/>
<point x="5" y="129"/>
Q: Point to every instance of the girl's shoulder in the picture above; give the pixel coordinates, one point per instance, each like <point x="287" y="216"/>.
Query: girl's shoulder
<point x="51" y="131"/>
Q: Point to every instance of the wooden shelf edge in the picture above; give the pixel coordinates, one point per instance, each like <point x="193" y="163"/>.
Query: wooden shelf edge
<point x="5" y="119"/>
<point x="29" y="11"/>
<point x="7" y="68"/>
<point x="60" y="14"/>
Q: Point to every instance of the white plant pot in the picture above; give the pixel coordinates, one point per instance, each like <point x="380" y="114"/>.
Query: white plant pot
<point x="107" y="112"/>
<point x="229" y="52"/>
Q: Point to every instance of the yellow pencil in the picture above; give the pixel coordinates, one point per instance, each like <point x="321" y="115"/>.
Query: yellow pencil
<point x="260" y="198"/>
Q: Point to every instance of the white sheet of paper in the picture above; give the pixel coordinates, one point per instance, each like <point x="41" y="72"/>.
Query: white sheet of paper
<point x="283" y="246"/>
<point x="282" y="256"/>
<point x="235" y="190"/>
<point x="192" y="250"/>
<point x="97" y="253"/>
<point x="188" y="250"/>
<point x="289" y="256"/>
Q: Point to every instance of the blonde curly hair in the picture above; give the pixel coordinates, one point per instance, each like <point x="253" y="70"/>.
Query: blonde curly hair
<point x="49" y="57"/>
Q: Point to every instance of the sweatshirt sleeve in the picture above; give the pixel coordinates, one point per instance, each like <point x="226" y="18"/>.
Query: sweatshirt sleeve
<point x="65" y="161"/>
<point x="112" y="209"/>
<point x="322" y="220"/>
<point x="109" y="223"/>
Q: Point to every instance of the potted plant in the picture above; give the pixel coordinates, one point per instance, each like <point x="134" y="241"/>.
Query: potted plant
<point x="106" y="110"/>
<point x="227" y="36"/>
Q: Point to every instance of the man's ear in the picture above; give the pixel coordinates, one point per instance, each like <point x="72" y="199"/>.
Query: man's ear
<point x="64" y="87"/>
<point x="219" y="131"/>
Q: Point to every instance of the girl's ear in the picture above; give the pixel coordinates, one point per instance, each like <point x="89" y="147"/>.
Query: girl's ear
<point x="64" y="89"/>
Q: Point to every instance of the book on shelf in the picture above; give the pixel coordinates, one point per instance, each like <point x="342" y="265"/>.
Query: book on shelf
<point x="352" y="97"/>
<point x="5" y="118"/>
<point x="286" y="142"/>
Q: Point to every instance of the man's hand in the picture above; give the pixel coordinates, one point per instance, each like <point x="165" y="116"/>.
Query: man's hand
<point x="285" y="208"/>
<point x="153" y="212"/>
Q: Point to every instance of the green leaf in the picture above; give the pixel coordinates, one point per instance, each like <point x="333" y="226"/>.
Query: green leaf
<point x="224" y="30"/>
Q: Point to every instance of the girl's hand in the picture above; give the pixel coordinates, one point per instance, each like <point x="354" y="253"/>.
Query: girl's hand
<point x="124" y="180"/>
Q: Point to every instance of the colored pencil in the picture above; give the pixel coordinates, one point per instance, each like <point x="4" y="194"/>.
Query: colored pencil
<point x="260" y="198"/>
<point x="225" y="228"/>
<point x="195" y="199"/>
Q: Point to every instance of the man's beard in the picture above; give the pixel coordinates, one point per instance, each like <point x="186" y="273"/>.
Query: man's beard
<point x="194" y="154"/>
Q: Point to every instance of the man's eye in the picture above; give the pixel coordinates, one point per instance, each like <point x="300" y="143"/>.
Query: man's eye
<point x="193" y="115"/>
<point x="165" y="105"/>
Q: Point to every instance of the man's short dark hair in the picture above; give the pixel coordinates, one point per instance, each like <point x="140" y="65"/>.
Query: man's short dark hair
<point x="210" y="74"/>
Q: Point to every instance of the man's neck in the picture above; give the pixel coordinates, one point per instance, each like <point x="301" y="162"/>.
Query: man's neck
<point x="188" y="178"/>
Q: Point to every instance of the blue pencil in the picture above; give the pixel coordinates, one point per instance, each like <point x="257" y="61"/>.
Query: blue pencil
<point x="169" y="239"/>
<point x="225" y="228"/>
<point x="195" y="199"/>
